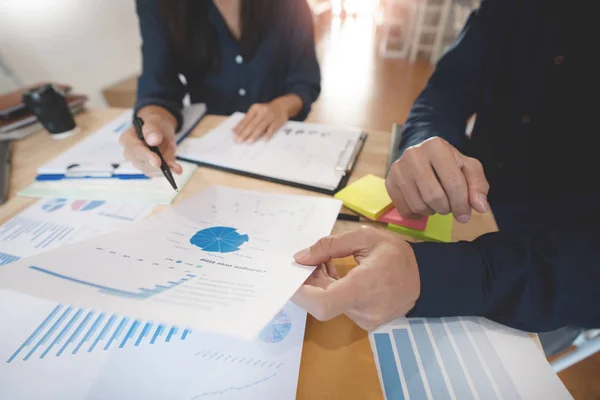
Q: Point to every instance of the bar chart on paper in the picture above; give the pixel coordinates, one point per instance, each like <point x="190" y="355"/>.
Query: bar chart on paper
<point x="67" y="331"/>
<point x="453" y="358"/>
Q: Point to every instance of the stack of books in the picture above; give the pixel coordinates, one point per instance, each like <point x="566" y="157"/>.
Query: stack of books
<point x="17" y="122"/>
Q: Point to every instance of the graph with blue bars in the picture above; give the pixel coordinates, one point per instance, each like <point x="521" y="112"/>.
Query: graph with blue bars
<point x="421" y="358"/>
<point x="6" y="258"/>
<point x="219" y="239"/>
<point x="141" y="293"/>
<point x="68" y="331"/>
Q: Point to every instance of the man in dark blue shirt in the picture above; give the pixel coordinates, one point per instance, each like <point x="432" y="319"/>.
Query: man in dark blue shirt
<point x="524" y="69"/>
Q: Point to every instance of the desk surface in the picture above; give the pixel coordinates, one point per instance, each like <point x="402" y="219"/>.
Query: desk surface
<point x="336" y="361"/>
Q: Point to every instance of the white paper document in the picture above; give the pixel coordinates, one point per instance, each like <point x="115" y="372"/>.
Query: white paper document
<point x="54" y="351"/>
<point x="50" y="223"/>
<point x="101" y="156"/>
<point x="221" y="261"/>
<point x="156" y="190"/>
<point x="461" y="358"/>
<point x="299" y="153"/>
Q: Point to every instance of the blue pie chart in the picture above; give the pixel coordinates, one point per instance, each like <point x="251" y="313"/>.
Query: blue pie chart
<point x="277" y="329"/>
<point x="219" y="239"/>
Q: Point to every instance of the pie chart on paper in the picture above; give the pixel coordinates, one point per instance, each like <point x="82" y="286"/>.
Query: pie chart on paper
<point x="277" y="329"/>
<point x="219" y="239"/>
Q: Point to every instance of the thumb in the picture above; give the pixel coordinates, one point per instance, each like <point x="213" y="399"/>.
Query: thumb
<point x="330" y="247"/>
<point x="152" y="134"/>
<point x="477" y="184"/>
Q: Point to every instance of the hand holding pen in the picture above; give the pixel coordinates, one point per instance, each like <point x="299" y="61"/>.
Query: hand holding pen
<point x="158" y="131"/>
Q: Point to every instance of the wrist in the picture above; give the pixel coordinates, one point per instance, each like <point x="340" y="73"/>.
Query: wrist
<point x="160" y="117"/>
<point x="290" y="104"/>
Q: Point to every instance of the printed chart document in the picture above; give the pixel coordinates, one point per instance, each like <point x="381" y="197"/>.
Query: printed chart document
<point x="155" y="190"/>
<point x="54" y="351"/>
<point x="221" y="261"/>
<point x="314" y="156"/>
<point x="461" y="358"/>
<point x="101" y="156"/>
<point x="50" y="223"/>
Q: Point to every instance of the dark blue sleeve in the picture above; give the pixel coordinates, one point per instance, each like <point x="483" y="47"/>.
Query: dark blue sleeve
<point x="453" y="91"/>
<point x="530" y="282"/>
<point x="159" y="83"/>
<point x="304" y="74"/>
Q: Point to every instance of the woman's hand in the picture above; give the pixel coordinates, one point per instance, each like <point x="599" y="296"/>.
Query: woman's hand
<point x="263" y="120"/>
<point x="159" y="130"/>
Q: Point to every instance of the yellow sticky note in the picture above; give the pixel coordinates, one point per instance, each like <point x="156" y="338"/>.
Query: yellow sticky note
<point x="439" y="229"/>
<point x="367" y="196"/>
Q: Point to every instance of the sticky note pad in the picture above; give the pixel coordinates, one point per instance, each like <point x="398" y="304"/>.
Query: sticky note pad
<point x="438" y="229"/>
<point x="394" y="217"/>
<point x="367" y="196"/>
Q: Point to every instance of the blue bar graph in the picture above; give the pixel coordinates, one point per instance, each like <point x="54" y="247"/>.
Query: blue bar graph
<point x="117" y="332"/>
<point x="130" y="333"/>
<point x="456" y="375"/>
<point x="442" y="358"/>
<point x="433" y="370"/>
<point x="389" y="369"/>
<point x="408" y="361"/>
<point x="172" y="332"/>
<point x="66" y="331"/>
<point x="6" y="258"/>
<point x="144" y="333"/>
<point x="493" y="361"/>
<point x="474" y="366"/>
<point x="143" y="293"/>
<point x="159" y="331"/>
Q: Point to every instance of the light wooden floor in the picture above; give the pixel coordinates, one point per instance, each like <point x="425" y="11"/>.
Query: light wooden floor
<point x="361" y="89"/>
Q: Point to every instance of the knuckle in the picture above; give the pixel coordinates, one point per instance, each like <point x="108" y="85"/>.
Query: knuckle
<point x="324" y="243"/>
<point x="322" y="312"/>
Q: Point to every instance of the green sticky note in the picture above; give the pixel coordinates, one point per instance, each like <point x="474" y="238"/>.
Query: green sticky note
<point x="439" y="229"/>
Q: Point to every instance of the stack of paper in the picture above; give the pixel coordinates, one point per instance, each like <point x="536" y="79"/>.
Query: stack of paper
<point x="221" y="261"/>
<point x="95" y="168"/>
<point x="52" y="350"/>
<point x="50" y="223"/>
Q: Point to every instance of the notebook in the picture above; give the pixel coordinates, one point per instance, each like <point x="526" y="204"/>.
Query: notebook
<point x="305" y="155"/>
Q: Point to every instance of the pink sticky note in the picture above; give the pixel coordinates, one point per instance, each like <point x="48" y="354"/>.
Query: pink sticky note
<point x="393" y="217"/>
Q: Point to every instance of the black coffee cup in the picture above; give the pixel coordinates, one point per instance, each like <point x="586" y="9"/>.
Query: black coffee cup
<point x="50" y="107"/>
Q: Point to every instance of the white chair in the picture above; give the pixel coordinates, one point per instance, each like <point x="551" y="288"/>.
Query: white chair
<point x="432" y="19"/>
<point x="587" y="344"/>
<point x="398" y="17"/>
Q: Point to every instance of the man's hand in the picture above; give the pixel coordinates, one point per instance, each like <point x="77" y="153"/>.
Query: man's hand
<point x="434" y="177"/>
<point x="158" y="130"/>
<point x="385" y="285"/>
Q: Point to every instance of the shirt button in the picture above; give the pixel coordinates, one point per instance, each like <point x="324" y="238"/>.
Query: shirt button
<point x="526" y="119"/>
<point x="559" y="60"/>
<point x="239" y="59"/>
<point x="242" y="92"/>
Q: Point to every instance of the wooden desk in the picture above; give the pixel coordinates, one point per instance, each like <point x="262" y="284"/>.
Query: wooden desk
<point x="337" y="362"/>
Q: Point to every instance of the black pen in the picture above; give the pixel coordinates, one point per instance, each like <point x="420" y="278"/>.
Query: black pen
<point x="138" y="123"/>
<point x="354" y="218"/>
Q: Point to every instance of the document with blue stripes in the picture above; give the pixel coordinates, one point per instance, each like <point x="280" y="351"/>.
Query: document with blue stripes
<point x="461" y="358"/>
<point x="57" y="351"/>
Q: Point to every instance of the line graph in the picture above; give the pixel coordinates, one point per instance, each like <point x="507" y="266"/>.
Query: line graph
<point x="142" y="293"/>
<point x="233" y="388"/>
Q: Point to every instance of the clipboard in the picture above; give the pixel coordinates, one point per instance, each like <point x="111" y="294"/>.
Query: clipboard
<point x="109" y="165"/>
<point x="346" y="170"/>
